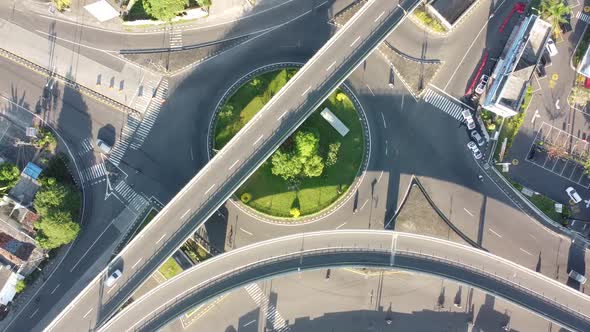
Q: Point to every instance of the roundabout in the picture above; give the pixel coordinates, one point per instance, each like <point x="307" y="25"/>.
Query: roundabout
<point x="311" y="175"/>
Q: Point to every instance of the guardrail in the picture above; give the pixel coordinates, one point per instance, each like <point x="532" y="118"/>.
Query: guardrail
<point x="387" y="259"/>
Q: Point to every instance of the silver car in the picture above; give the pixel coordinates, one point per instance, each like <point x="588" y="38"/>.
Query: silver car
<point x="104" y="147"/>
<point x="473" y="147"/>
<point x="468" y="119"/>
<point x="477" y="138"/>
<point x="578" y="277"/>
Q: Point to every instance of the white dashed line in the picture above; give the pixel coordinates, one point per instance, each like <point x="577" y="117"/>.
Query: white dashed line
<point x="383" y="117"/>
<point x="56" y="287"/>
<point x="306" y="91"/>
<point x="258" y="140"/>
<point x="354" y="42"/>
<point x="245" y="231"/>
<point x="234" y="164"/>
<point x="282" y="115"/>
<point x="469" y="213"/>
<point x="365" y="203"/>
<point x="380" y="175"/>
<point x="208" y="190"/>
<point x="532" y="236"/>
<point x="386" y="147"/>
<point x="370" y="90"/>
<point x="184" y="214"/>
<point x="160" y="239"/>
<point x="526" y="252"/>
<point x="88" y="313"/>
<point x="378" y="17"/>
<point x="330" y="66"/>
<point x="34" y="312"/>
<point x="496" y="234"/>
<point x="344" y="223"/>
<point x="134" y="265"/>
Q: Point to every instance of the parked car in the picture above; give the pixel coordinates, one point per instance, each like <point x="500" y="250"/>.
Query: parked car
<point x="551" y="48"/>
<point x="104" y="147"/>
<point x="477" y="138"/>
<point x="113" y="278"/>
<point x="483" y="81"/>
<point x="573" y="195"/>
<point x="473" y="147"/>
<point x="578" y="277"/>
<point x="468" y="119"/>
<point x="566" y="26"/>
<point x="546" y="58"/>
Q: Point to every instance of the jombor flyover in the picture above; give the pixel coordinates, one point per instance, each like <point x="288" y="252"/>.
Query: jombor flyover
<point x="215" y="183"/>
<point x="539" y="294"/>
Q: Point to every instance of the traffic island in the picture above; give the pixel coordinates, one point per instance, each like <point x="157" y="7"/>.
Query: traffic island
<point x="314" y="169"/>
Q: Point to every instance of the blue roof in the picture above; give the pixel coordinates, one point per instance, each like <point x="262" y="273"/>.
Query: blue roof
<point x="32" y="170"/>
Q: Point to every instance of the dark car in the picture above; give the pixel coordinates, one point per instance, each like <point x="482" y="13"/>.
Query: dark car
<point x="541" y="71"/>
<point x="566" y="26"/>
<point x="546" y="59"/>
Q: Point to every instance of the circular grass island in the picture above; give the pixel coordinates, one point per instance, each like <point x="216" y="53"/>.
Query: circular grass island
<point x="313" y="168"/>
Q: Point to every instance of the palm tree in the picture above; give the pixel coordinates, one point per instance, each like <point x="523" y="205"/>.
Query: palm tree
<point x="554" y="12"/>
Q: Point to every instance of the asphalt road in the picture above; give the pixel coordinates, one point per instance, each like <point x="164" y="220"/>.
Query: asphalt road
<point x="336" y="59"/>
<point x="300" y="252"/>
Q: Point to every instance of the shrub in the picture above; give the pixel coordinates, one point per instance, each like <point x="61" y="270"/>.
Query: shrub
<point x="333" y="150"/>
<point x="62" y="4"/>
<point x="9" y="175"/>
<point x="20" y="286"/>
<point x="295" y="213"/>
<point x="246" y="197"/>
<point x="341" y="97"/>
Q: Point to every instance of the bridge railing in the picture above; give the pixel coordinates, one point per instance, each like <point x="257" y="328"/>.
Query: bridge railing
<point x="385" y="263"/>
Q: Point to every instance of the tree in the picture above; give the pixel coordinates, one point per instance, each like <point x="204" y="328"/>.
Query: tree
<point x="285" y="165"/>
<point x="295" y="212"/>
<point x="204" y="3"/>
<point x="554" y="11"/>
<point x="164" y="10"/>
<point x="333" y="150"/>
<point x="587" y="167"/>
<point x="306" y="144"/>
<point x="45" y="139"/>
<point x="313" y="167"/>
<point x="556" y="152"/>
<point x="9" y="175"/>
<point x="56" y="229"/>
<point x="579" y="96"/>
<point x="53" y="197"/>
<point x="62" y="4"/>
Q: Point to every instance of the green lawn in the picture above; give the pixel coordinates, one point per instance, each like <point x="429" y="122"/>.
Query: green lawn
<point x="170" y="268"/>
<point x="271" y="194"/>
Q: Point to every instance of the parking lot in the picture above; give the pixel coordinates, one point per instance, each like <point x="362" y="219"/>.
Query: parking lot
<point x="545" y="152"/>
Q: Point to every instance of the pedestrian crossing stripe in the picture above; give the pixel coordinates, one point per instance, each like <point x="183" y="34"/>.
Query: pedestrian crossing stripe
<point x="583" y="16"/>
<point x="444" y="104"/>
<point x="279" y="324"/>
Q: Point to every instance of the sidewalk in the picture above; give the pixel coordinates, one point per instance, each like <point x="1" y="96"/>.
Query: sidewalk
<point x="221" y="11"/>
<point x="129" y="85"/>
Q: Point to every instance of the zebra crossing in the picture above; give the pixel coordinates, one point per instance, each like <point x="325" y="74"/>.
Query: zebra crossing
<point x="121" y="145"/>
<point x="175" y="38"/>
<point x="86" y="146"/>
<point x="278" y="323"/>
<point x="444" y="104"/>
<point x="584" y="17"/>
<point x="134" y="200"/>
<point x="93" y="172"/>
<point x="148" y="91"/>
<point x="150" y="116"/>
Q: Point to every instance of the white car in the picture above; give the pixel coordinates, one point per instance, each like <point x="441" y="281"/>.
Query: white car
<point x="477" y="138"/>
<point x="473" y="147"/>
<point x="113" y="278"/>
<point x="577" y="277"/>
<point x="468" y="119"/>
<point x="104" y="147"/>
<point x="573" y="195"/>
<point x="483" y="81"/>
<point x="551" y="48"/>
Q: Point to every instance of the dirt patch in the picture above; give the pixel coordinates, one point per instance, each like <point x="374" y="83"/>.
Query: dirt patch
<point x="417" y="216"/>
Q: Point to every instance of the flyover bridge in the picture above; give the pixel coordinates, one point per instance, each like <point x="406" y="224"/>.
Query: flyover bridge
<point x="497" y="276"/>
<point x="216" y="182"/>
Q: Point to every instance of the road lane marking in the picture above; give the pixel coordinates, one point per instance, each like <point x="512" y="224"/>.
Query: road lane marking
<point x="378" y="17"/>
<point x="365" y="203"/>
<point x="354" y="42"/>
<point x="88" y="313"/>
<point x="160" y="239"/>
<point x="383" y="117"/>
<point x="318" y="6"/>
<point x="184" y="214"/>
<point x="386" y="147"/>
<point x="532" y="236"/>
<point x="526" y="252"/>
<point x="245" y="231"/>
<point x="370" y="90"/>
<point x="332" y="65"/>
<point x="258" y="140"/>
<point x="344" y="223"/>
<point x="306" y="91"/>
<point x="208" y="190"/>
<point x="34" y="312"/>
<point x="56" y="287"/>
<point x="492" y="231"/>
<point x="380" y="175"/>
<point x="249" y="323"/>
<point x="469" y="213"/>
<point x="192" y="155"/>
<point x="134" y="265"/>
<point x="282" y="115"/>
<point x="234" y="164"/>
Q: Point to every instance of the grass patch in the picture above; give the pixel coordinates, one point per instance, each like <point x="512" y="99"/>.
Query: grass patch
<point x="195" y="251"/>
<point x="271" y="194"/>
<point x="582" y="46"/>
<point x="170" y="268"/>
<point x="429" y="21"/>
<point x="547" y="205"/>
<point x="512" y="125"/>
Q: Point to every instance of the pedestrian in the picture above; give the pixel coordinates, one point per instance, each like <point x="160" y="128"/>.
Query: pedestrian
<point x="480" y="177"/>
